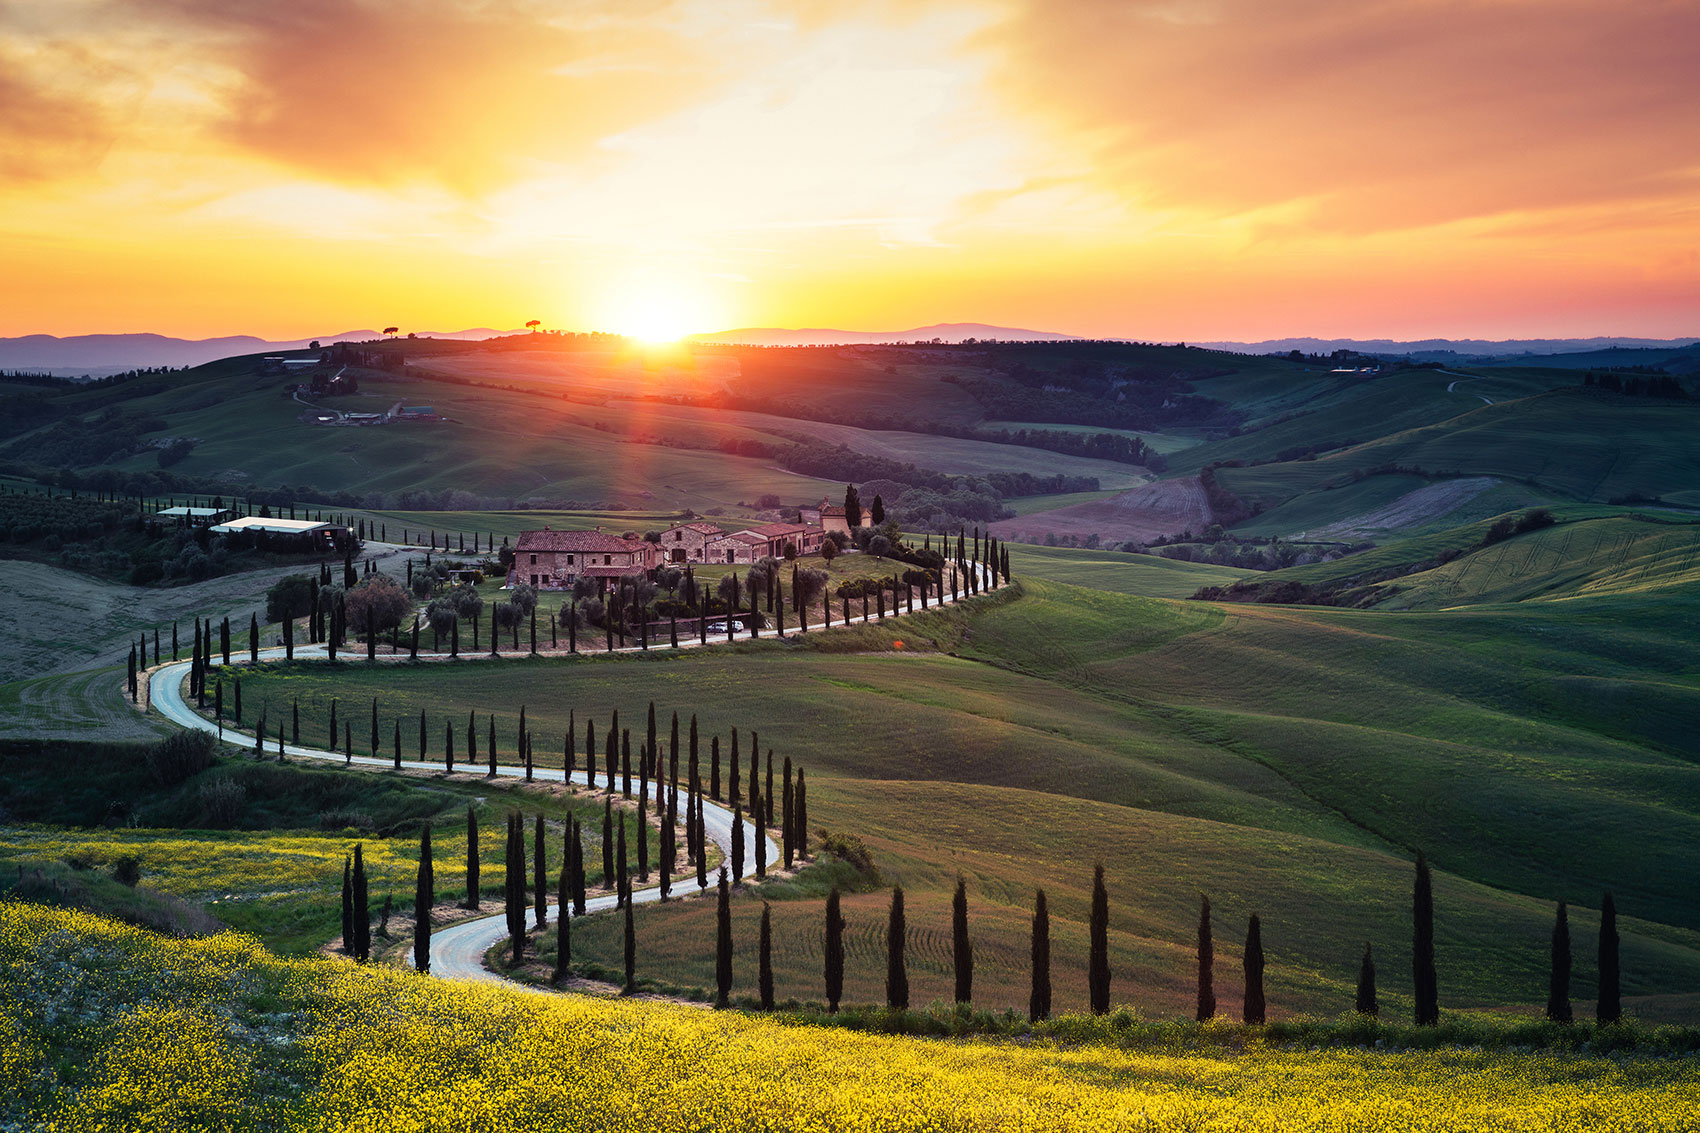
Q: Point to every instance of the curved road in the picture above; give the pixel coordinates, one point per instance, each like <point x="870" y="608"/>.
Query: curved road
<point x="457" y="952"/>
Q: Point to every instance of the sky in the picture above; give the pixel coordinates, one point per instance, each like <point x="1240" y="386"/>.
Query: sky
<point x="1166" y="170"/>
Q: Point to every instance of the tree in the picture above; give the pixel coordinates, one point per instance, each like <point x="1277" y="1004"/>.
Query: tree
<point x="1039" y="1000"/>
<point x="563" y="933"/>
<point x="1425" y="986"/>
<point x="376" y="606"/>
<point x="723" y="944"/>
<point x="630" y="950"/>
<point x="962" y="949"/>
<point x="290" y="597"/>
<point x="1206" y="965"/>
<point x="362" y="907"/>
<point x="1610" y="1006"/>
<point x="852" y="506"/>
<point x="834" y="951"/>
<point x="1098" y="970"/>
<point x="577" y="854"/>
<point x="1558" y="984"/>
<point x="424" y="896"/>
<point x="254" y="638"/>
<point x="540" y="876"/>
<point x="764" y="964"/>
<point x="347" y="905"/>
<point x="471" y="854"/>
<point x="737" y="840"/>
<point x="1367" y="1003"/>
<point x="896" y="971"/>
<point x="876" y="513"/>
<point x="828" y="551"/>
<point x="1254" y="1002"/>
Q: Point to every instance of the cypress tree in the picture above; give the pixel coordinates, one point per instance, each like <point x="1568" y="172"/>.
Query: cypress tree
<point x="448" y="747"/>
<point x="626" y="762"/>
<point x="962" y="949"/>
<point x="218" y="705"/>
<point x="1425" y="986"/>
<point x="714" y="768"/>
<point x="1098" y="972"/>
<point x="608" y="843"/>
<point x="491" y="773"/>
<point x="347" y="906"/>
<point x="568" y="761"/>
<point x="540" y="875"/>
<point x="723" y="943"/>
<point x="732" y="770"/>
<point x="525" y="748"/>
<point x="630" y="950"/>
<point x="620" y="859"/>
<point x="896" y="972"/>
<point x="642" y="834"/>
<point x="1558" y="984"/>
<point x="612" y="754"/>
<point x="1039" y="1000"/>
<point x="424" y="896"/>
<point x="1206" y="964"/>
<point x="254" y="637"/>
<point x="755" y="778"/>
<point x="761" y="838"/>
<point x="738" y="842"/>
<point x="578" y="868"/>
<point x="471" y="857"/>
<point x="224" y="640"/>
<point x="472" y="737"/>
<point x="1367" y="1003"/>
<point x="834" y="951"/>
<point x="1254" y="1002"/>
<point x="362" y="908"/>
<point x="590" y="753"/>
<point x="563" y="931"/>
<point x="422" y="734"/>
<point x="764" y="970"/>
<point x="133" y="685"/>
<point x="767" y="794"/>
<point x="1610" y="1006"/>
<point x="787" y="848"/>
<point x="800" y="812"/>
<point x="398" y="743"/>
<point x="701" y="838"/>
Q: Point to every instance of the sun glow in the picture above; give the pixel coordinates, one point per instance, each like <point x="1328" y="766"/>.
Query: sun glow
<point x="659" y="312"/>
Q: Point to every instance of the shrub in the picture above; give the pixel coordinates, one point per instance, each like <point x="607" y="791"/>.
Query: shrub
<point x="222" y="801"/>
<point x="127" y="870"/>
<point x="850" y="849"/>
<point x="178" y="757"/>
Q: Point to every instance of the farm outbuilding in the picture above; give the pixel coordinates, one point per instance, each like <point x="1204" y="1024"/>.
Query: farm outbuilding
<point x="301" y="533"/>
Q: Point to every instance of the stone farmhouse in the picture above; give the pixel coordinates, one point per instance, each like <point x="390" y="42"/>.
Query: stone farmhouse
<point x="553" y="560"/>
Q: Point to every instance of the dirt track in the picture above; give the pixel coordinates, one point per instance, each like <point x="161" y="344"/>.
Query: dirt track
<point x="1162" y="507"/>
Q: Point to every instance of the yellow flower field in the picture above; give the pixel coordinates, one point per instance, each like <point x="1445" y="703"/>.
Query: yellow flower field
<point x="107" y="1027"/>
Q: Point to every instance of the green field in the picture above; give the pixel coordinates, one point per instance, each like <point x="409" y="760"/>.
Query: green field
<point x="1189" y="749"/>
<point x="1150" y="575"/>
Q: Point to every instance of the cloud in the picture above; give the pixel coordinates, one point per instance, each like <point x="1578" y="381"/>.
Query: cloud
<point x="1375" y="115"/>
<point x="61" y="108"/>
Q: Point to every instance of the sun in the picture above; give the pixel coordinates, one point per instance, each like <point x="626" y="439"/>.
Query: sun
<point x="657" y="313"/>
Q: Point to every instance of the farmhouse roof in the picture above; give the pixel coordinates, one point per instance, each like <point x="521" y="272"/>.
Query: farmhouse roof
<point x="275" y="526"/>
<point x="710" y="529"/>
<point x="831" y="509"/>
<point x="583" y="542"/>
<point x="742" y="537"/>
<point x="774" y="530"/>
<point x="193" y="512"/>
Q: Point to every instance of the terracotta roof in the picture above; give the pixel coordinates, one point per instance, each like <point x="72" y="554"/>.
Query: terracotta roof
<point x="832" y="509"/>
<point x="774" y="530"/>
<point x="583" y="542"/>
<point x="700" y="528"/>
<point x="743" y="537"/>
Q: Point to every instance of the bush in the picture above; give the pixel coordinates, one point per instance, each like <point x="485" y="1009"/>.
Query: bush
<point x="850" y="849"/>
<point x="222" y="801"/>
<point x="178" y="757"/>
<point x="127" y="870"/>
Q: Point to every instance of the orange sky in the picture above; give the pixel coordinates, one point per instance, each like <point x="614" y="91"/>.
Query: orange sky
<point x="1166" y="169"/>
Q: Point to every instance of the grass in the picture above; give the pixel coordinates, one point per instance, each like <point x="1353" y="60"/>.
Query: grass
<point x="272" y="865"/>
<point x="1190" y="748"/>
<point x="1150" y="575"/>
<point x="119" y="1027"/>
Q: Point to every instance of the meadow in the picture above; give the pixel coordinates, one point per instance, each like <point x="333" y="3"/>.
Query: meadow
<point x="1190" y="748"/>
<point x="110" y="1026"/>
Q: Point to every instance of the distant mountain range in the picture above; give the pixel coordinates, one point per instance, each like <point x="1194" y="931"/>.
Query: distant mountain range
<point x="102" y="354"/>
<point x="1450" y="347"/>
<point x="811" y="336"/>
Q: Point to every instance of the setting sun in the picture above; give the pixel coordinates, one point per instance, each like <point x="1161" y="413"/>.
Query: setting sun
<point x="658" y="312"/>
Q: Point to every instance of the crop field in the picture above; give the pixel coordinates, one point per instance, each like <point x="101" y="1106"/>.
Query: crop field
<point x="1628" y="446"/>
<point x="1190" y="748"/>
<point x="1150" y="575"/>
<point x="116" y="1026"/>
<point x="1162" y="507"/>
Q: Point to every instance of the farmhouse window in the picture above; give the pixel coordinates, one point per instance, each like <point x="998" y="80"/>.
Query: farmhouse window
<point x="533" y="560"/>
<point x="607" y="560"/>
<point x="569" y="560"/>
